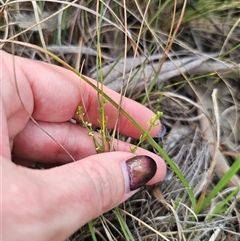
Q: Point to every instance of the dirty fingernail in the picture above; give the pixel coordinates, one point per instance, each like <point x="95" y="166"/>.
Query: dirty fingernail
<point x="139" y="170"/>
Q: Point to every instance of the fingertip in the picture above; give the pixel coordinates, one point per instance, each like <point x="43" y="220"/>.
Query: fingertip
<point x="140" y="170"/>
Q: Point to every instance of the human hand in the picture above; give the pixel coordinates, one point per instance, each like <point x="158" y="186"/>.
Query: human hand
<point x="51" y="204"/>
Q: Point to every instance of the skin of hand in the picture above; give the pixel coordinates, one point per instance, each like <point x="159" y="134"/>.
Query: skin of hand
<point x="51" y="204"/>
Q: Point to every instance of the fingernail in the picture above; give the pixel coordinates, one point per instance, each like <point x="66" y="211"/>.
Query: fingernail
<point x="162" y="132"/>
<point x="138" y="170"/>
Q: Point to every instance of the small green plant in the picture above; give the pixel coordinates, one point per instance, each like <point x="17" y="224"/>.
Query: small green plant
<point x="151" y="124"/>
<point x="80" y="114"/>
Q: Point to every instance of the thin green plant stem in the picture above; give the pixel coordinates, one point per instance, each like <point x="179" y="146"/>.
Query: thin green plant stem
<point x="123" y="225"/>
<point x="158" y="13"/>
<point x="229" y="51"/>
<point x="91" y="229"/>
<point x="103" y="119"/>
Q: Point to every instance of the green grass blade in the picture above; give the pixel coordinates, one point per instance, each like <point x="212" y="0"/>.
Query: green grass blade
<point x="220" y="208"/>
<point x="175" y="169"/>
<point x="90" y="225"/>
<point x="123" y="225"/>
<point x="221" y="184"/>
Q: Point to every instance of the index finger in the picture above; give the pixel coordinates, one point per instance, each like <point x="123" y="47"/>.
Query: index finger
<point x="57" y="92"/>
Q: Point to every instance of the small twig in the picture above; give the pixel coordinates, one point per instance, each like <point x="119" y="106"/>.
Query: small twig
<point x="216" y="146"/>
<point x="159" y="196"/>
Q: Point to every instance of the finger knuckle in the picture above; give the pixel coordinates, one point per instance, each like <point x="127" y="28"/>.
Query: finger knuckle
<point x="104" y="184"/>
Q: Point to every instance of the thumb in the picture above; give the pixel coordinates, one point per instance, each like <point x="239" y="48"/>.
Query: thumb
<point x="83" y="190"/>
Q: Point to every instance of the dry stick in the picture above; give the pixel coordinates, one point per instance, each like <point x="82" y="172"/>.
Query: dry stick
<point x="216" y="148"/>
<point x="159" y="196"/>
